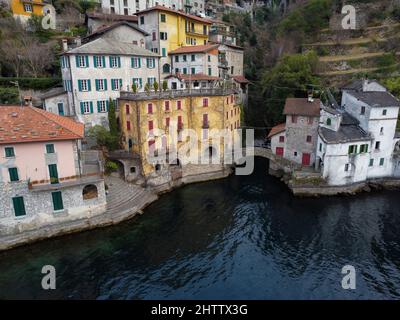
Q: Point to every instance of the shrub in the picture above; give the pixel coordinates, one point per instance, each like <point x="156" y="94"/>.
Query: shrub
<point x="386" y="60"/>
<point x="111" y="166"/>
<point x="134" y="88"/>
<point x="9" y="96"/>
<point x="104" y="138"/>
<point x="165" y="85"/>
<point x="155" y="86"/>
<point x="31" y="83"/>
<point x="147" y="88"/>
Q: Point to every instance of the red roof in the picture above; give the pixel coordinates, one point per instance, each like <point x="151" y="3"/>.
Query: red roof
<point x="181" y="13"/>
<point x="191" y="49"/>
<point x="240" y="79"/>
<point x="302" y="107"/>
<point x="27" y="124"/>
<point x="277" y="129"/>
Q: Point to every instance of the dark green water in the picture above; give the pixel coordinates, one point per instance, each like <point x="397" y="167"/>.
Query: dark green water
<point x="237" y="238"/>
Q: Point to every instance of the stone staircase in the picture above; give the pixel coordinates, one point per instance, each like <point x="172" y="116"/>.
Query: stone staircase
<point x="123" y="196"/>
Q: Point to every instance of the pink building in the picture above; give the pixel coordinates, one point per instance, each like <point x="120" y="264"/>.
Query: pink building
<point x="44" y="179"/>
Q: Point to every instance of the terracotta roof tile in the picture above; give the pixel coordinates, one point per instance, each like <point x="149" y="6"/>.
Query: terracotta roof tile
<point x="277" y="129"/>
<point x="27" y="124"/>
<point x="240" y="79"/>
<point x="192" y="49"/>
<point x="302" y="107"/>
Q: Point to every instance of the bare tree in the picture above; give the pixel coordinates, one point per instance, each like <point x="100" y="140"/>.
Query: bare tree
<point x="37" y="56"/>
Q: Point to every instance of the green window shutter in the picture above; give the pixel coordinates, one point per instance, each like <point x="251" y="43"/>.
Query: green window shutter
<point x="139" y="62"/>
<point x="131" y="62"/>
<point x="120" y="84"/>
<point x="164" y="52"/>
<point x="9" y="152"/>
<point x="147" y="62"/>
<point x="80" y="85"/>
<point x="89" y="85"/>
<point x="82" y="108"/>
<point x="381" y="161"/>
<point x="105" y="84"/>
<point x="95" y="61"/>
<point x="57" y="201"/>
<point x="107" y="105"/>
<point x="77" y="61"/>
<point x="91" y="106"/>
<point x="13" y="174"/>
<point x="53" y="173"/>
<point x="119" y="62"/>
<point x="98" y="106"/>
<point x="366" y="148"/>
<point x="103" y="58"/>
<point x="49" y="148"/>
<point x="110" y="61"/>
<point x="87" y="61"/>
<point x="112" y="84"/>
<point x="19" y="206"/>
<point x="97" y="84"/>
<point x="140" y="82"/>
<point x="209" y="71"/>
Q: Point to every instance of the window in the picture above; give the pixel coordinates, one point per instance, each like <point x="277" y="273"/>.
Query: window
<point x="115" y="62"/>
<point x="19" y="206"/>
<point x="193" y="57"/>
<point x="381" y="131"/>
<point x="163" y="36"/>
<point x="151" y="81"/>
<point x="86" y="107"/>
<point x="135" y="62"/>
<point x="101" y="84"/>
<point x="90" y="192"/>
<point x="166" y="104"/>
<point x="352" y="149"/>
<point x="142" y="20"/>
<point x="362" y="111"/>
<point x="384" y="112"/>
<point x="209" y="71"/>
<point x="13" y="172"/>
<point x="102" y="106"/>
<point x="164" y="52"/>
<point x="28" y="7"/>
<point x="184" y="71"/>
<point x="209" y="58"/>
<point x="371" y="162"/>
<point x="84" y="85"/>
<point x="137" y="82"/>
<point x="282" y="139"/>
<point x="205" y="102"/>
<point x="364" y="148"/>
<point x="309" y="139"/>
<point x="112" y="9"/>
<point x="150" y="108"/>
<point x="294" y="119"/>
<point x="204" y="29"/>
<point x="176" y="58"/>
<point x="128" y="125"/>
<point x="82" y="61"/>
<point x="205" y="121"/>
<point x="310" y="120"/>
<point x="381" y="161"/>
<point x="154" y="36"/>
<point x="9" y="152"/>
<point x="116" y="84"/>
<point x="127" y="109"/>
<point x="167" y="122"/>
<point x="50" y="148"/>
<point x="150" y="125"/>
<point x="179" y="105"/>
<point x="126" y="11"/>
<point x="295" y="153"/>
<point x="53" y="173"/>
<point x="377" y="145"/>
<point x="163" y="18"/>
<point x="150" y="63"/>
<point x="60" y="108"/>
<point x="320" y="147"/>
<point x="346" y="167"/>
<point x="184" y="58"/>
<point x="193" y="70"/>
<point x="57" y="201"/>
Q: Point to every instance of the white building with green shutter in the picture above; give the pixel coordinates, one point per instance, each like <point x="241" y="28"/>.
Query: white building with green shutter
<point x="97" y="71"/>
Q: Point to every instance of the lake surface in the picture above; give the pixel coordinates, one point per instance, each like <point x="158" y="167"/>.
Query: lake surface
<point x="244" y="237"/>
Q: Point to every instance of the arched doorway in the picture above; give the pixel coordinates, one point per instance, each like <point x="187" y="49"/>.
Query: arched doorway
<point x="166" y="68"/>
<point x="90" y="192"/>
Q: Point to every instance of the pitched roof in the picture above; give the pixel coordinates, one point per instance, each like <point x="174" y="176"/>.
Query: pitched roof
<point x="192" y="49"/>
<point x="345" y="133"/>
<point x="111" y="17"/>
<point x="53" y="92"/>
<point x="181" y="13"/>
<point x="376" y="98"/>
<point x="109" y="46"/>
<point x="240" y="79"/>
<point x="277" y="129"/>
<point x="27" y="124"/>
<point x="106" y="28"/>
<point x="302" y="107"/>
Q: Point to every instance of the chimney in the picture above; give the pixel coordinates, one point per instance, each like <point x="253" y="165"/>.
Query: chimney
<point x="310" y="98"/>
<point x="64" y="45"/>
<point x="78" y="41"/>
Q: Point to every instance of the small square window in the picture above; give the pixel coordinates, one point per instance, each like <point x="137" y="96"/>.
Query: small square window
<point x="9" y="152"/>
<point x="384" y="112"/>
<point x="50" y="148"/>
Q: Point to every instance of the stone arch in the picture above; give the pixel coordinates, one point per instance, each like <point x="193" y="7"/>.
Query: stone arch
<point x="166" y="68"/>
<point x="90" y="192"/>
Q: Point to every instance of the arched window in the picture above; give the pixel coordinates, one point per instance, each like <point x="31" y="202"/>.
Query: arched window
<point x="90" y="192"/>
<point x="158" y="167"/>
<point x="166" y="68"/>
<point x="329" y="121"/>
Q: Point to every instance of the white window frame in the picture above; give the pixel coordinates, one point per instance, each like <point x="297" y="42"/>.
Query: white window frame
<point x="152" y="63"/>
<point x="28" y="5"/>
<point x="151" y="80"/>
<point x="137" y="82"/>
<point x="113" y="62"/>
<point x="99" y="61"/>
<point x="103" y="106"/>
<point x="136" y="62"/>
<point x="86" y="107"/>
<point x="84" y="85"/>
<point x="115" y="84"/>
<point x="82" y="62"/>
<point x="100" y="84"/>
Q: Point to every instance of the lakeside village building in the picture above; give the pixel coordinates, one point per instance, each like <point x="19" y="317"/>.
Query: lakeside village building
<point x="165" y="45"/>
<point x="45" y="178"/>
<point x="353" y="142"/>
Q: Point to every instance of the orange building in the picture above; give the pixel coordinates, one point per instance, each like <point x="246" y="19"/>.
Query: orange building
<point x="23" y="9"/>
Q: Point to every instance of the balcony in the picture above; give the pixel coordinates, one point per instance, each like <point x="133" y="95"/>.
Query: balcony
<point x="67" y="182"/>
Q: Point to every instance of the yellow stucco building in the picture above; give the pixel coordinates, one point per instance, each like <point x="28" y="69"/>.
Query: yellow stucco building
<point x="23" y="9"/>
<point x="170" y="29"/>
<point x="141" y="115"/>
